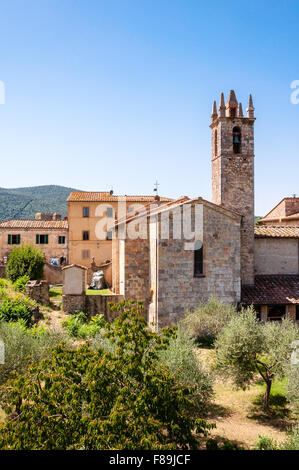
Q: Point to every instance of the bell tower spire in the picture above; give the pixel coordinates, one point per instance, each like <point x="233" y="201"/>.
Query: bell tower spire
<point x="233" y="171"/>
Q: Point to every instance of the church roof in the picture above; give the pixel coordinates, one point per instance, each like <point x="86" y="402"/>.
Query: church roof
<point x="147" y="212"/>
<point x="271" y="231"/>
<point x="272" y="289"/>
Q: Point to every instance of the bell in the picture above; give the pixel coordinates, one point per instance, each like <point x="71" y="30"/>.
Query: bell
<point x="236" y="139"/>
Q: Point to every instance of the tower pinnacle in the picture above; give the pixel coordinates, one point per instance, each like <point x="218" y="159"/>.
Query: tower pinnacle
<point x="222" y="106"/>
<point x="214" y="114"/>
<point x="250" y="109"/>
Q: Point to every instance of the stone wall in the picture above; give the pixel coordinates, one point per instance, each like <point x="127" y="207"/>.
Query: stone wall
<point x="2" y="271"/>
<point x="233" y="182"/>
<point x="175" y="289"/>
<point x="276" y="256"/>
<point x="52" y="274"/>
<point x="38" y="291"/>
<point x="179" y="289"/>
<point x="91" y="304"/>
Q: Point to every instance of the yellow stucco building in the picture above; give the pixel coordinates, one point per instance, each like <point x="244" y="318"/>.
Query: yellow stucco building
<point x="89" y="213"/>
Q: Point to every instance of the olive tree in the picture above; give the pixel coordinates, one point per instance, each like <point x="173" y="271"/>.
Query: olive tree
<point x="246" y="347"/>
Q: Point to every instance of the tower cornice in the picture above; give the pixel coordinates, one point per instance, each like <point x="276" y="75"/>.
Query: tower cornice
<point x="232" y="119"/>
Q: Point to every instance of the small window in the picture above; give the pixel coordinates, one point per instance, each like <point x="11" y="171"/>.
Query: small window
<point x="42" y="239"/>
<point x="276" y="312"/>
<point x="130" y="209"/>
<point x="14" y="239"/>
<point x="85" y="235"/>
<point x="85" y="211"/>
<point x="198" y="260"/>
<point x="109" y="212"/>
<point x="61" y="240"/>
<point x="237" y="140"/>
<point x="85" y="254"/>
<point x="109" y="235"/>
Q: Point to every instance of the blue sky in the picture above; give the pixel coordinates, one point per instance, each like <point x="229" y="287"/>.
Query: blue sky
<point x="119" y="93"/>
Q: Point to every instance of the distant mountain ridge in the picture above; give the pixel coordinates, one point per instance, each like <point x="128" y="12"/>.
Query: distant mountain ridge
<point x="23" y="203"/>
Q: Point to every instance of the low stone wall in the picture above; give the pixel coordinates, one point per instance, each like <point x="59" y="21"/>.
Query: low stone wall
<point x="92" y="304"/>
<point x="38" y="291"/>
<point x="52" y="274"/>
<point x="2" y="271"/>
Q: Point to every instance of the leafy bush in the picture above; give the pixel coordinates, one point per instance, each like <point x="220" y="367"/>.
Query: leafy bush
<point x="23" y="345"/>
<point x="292" y="442"/>
<point x="20" y="284"/>
<point x="246" y="347"/>
<point x="78" y="325"/>
<point x="207" y="320"/>
<point x="25" y="260"/>
<point x="266" y="443"/>
<point x="82" y="399"/>
<point x="17" y="308"/>
<point x="181" y="359"/>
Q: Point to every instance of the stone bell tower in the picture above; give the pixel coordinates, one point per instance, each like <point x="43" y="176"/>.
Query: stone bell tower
<point x="233" y="171"/>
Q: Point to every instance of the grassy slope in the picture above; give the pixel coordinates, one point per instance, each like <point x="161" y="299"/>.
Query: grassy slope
<point x="23" y="203"/>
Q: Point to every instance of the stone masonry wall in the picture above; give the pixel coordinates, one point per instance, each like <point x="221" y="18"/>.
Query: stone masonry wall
<point x="233" y="182"/>
<point x="179" y="290"/>
<point x="276" y="256"/>
<point x="92" y="304"/>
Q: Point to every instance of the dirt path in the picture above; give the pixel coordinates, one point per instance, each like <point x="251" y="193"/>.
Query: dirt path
<point x="236" y="414"/>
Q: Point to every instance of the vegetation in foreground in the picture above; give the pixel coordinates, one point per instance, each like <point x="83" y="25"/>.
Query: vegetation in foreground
<point x="86" y="399"/>
<point x="30" y="356"/>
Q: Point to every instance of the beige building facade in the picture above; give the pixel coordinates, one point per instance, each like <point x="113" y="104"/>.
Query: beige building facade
<point x="51" y="236"/>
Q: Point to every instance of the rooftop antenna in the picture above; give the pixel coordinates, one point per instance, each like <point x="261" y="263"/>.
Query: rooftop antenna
<point x="156" y="187"/>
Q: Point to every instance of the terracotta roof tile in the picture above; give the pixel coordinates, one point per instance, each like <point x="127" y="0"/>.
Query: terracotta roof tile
<point x="272" y="289"/>
<point x="265" y="231"/>
<point x="88" y="196"/>
<point x="34" y="224"/>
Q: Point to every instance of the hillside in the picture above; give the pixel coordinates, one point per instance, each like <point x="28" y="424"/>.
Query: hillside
<point x="23" y="203"/>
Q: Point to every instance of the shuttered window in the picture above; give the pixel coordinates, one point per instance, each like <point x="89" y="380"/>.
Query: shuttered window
<point x="42" y="239"/>
<point x="14" y="239"/>
<point x="61" y="240"/>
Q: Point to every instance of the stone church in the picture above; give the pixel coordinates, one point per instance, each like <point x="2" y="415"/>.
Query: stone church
<point x="228" y="257"/>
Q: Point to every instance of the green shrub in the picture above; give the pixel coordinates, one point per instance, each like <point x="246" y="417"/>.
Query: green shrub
<point x="292" y="442"/>
<point x="266" y="443"/>
<point x="21" y="282"/>
<point x="25" y="260"/>
<point x="17" y="308"/>
<point x="78" y="325"/>
<point x="82" y="399"/>
<point x="206" y="321"/>
<point x="23" y="345"/>
<point x="181" y="359"/>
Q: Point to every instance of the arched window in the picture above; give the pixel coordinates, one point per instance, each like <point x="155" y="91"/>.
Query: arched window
<point x="237" y="139"/>
<point x="198" y="258"/>
<point x="215" y="143"/>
